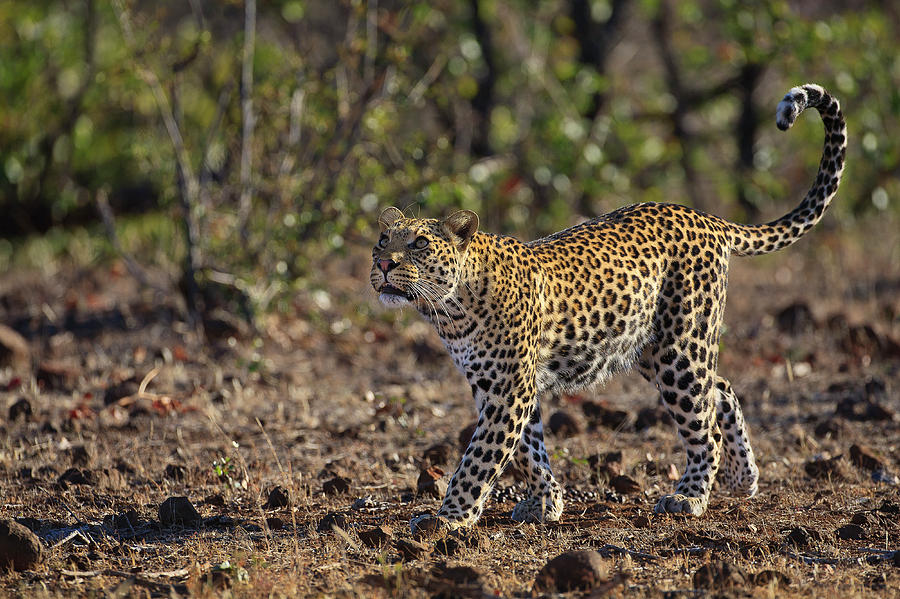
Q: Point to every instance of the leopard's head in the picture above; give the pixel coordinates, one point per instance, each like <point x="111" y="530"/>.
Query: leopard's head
<point x="417" y="261"/>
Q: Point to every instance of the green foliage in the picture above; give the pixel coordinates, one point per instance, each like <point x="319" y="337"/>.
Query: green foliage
<point x="358" y="107"/>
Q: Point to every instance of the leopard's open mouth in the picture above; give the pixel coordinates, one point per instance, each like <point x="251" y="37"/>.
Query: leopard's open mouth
<point x="389" y="289"/>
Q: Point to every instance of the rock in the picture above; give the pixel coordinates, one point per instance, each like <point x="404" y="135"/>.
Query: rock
<point x="563" y="424"/>
<point x="864" y="340"/>
<point x="882" y="476"/>
<point x="178" y="511"/>
<point x="438" y="454"/>
<point x="801" y="537"/>
<point x="458" y="575"/>
<point x="56" y="376"/>
<point x="448" y="546"/>
<point x="459" y="539"/>
<point x="850" y="532"/>
<point x="719" y="575"/>
<point x="609" y="457"/>
<point x="20" y="549"/>
<point x="571" y="571"/>
<point x="278" y="498"/>
<point x="599" y="413"/>
<point x="889" y="507"/>
<point x="795" y="319"/>
<point x="126" y="520"/>
<point x="640" y="521"/>
<point x="74" y="476"/>
<point x="410" y="550"/>
<point x="830" y="428"/>
<point x="81" y="455"/>
<point x="331" y="520"/>
<point x="428" y="527"/>
<point x="459" y="581"/>
<point x="176" y="472"/>
<point x="862" y="519"/>
<point x="605" y="466"/>
<point x="221" y="324"/>
<point x="650" y="417"/>
<point x="624" y="485"/>
<point x="431" y="483"/>
<point x="216" y="500"/>
<point x="465" y="435"/>
<point x="14" y="349"/>
<point x="829" y="468"/>
<point x="863" y="457"/>
<point x="862" y="410"/>
<point x="116" y="392"/>
<point x="336" y="486"/>
<point x="766" y="577"/>
<point x="376" y="537"/>
<point x="112" y="479"/>
<point x="21" y="409"/>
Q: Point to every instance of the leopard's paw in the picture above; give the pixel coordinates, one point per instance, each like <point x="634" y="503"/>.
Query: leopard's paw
<point x="681" y="504"/>
<point x="537" y="509"/>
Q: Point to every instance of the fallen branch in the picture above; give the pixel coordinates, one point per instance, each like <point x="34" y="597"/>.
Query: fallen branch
<point x="144" y="579"/>
<point x="109" y="572"/>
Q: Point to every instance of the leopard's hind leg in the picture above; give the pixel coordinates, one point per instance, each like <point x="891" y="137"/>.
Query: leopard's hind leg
<point x="687" y="391"/>
<point x="739" y="473"/>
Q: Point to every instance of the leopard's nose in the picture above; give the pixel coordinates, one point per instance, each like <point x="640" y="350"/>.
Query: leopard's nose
<point x="386" y="265"/>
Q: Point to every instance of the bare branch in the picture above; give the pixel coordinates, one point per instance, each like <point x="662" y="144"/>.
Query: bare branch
<point x="109" y="223"/>
<point x="187" y="182"/>
<point x="371" y="40"/>
<point x="247" y="116"/>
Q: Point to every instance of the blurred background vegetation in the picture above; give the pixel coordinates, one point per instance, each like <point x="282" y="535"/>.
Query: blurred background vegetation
<point x="239" y="143"/>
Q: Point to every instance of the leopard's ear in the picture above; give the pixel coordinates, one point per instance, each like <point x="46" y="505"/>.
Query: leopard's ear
<point x="460" y="227"/>
<point x="389" y="217"/>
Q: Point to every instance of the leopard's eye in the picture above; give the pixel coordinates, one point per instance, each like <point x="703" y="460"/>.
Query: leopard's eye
<point x="419" y="243"/>
<point x="382" y="241"/>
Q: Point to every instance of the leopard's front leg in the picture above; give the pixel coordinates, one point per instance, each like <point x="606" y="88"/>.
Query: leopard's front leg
<point x="506" y="404"/>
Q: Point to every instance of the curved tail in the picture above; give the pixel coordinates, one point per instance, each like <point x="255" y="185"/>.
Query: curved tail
<point x="752" y="240"/>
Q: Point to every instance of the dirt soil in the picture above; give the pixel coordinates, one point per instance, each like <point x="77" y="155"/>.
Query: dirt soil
<point x="295" y="442"/>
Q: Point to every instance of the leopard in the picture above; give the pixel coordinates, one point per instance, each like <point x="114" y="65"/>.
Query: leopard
<point x="640" y="287"/>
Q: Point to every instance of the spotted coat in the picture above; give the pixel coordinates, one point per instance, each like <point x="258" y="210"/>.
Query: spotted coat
<point x="641" y="286"/>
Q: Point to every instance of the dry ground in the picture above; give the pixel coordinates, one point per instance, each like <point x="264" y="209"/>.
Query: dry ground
<point x="336" y="392"/>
